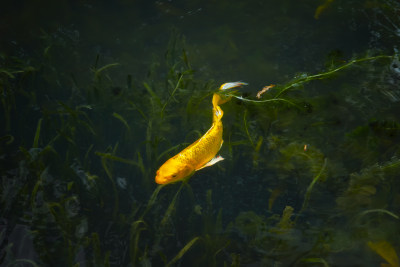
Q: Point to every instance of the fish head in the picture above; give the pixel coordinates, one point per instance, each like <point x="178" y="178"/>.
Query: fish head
<point x="172" y="171"/>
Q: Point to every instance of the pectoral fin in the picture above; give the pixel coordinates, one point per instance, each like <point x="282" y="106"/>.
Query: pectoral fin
<point x="211" y="162"/>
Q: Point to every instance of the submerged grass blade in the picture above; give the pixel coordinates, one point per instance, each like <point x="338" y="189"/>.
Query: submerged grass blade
<point x="310" y="187"/>
<point x="97" y="253"/>
<point x="172" y="94"/>
<point x="246" y="128"/>
<point x="138" y="109"/>
<point x="183" y="251"/>
<point x="134" y="239"/>
<point x="120" y="118"/>
<point x="152" y="200"/>
<point x="171" y="206"/>
<point x="115" y="158"/>
<point x="386" y="251"/>
<point x="151" y="92"/>
<point x="110" y="176"/>
<point x="34" y="192"/>
<point x="36" y="139"/>
<point x="9" y="74"/>
<point x="86" y="158"/>
<point x="263" y="101"/>
<point x="7" y="137"/>
<point x="185" y="59"/>
<point x="98" y="71"/>
<point x="380" y="211"/>
<point x="315" y="260"/>
<point x="141" y="165"/>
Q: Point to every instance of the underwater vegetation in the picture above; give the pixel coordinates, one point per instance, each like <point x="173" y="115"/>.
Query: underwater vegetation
<point x="310" y="176"/>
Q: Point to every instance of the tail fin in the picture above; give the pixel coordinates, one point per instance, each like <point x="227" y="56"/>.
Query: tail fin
<point x="230" y="85"/>
<point x="218" y="99"/>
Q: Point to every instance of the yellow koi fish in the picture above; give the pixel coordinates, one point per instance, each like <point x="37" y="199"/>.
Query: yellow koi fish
<point x="202" y="153"/>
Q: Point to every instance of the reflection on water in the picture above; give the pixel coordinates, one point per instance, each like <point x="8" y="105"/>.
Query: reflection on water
<point x="96" y="96"/>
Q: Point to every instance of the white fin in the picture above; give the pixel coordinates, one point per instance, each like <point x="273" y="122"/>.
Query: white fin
<point x="230" y="85"/>
<point x="211" y="162"/>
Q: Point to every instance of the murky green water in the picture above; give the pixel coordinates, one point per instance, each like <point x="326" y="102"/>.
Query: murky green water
<point x="96" y="96"/>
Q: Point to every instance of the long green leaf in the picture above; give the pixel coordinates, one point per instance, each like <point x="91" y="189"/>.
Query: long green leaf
<point x="152" y="200"/>
<point x="171" y="207"/>
<point x="380" y="211"/>
<point x="172" y="95"/>
<point x="310" y="187"/>
<point x="115" y="158"/>
<point x="151" y="92"/>
<point x="134" y="239"/>
<point x="183" y="251"/>
<point x="106" y="67"/>
<point x="119" y="117"/>
<point x="36" y="139"/>
<point x="110" y="176"/>
<point x="315" y="260"/>
<point x="246" y="128"/>
<point x="9" y="74"/>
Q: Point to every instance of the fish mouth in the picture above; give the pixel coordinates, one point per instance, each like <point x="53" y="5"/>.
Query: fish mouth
<point x="159" y="179"/>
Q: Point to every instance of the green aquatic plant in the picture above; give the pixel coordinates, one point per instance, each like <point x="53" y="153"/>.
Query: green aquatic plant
<point x="311" y="186"/>
<point x="120" y="118"/>
<point x="247" y="130"/>
<point x="11" y="69"/>
<point x="213" y="241"/>
<point x="299" y="81"/>
<point x="52" y="211"/>
<point x="369" y="203"/>
<point x="108" y="171"/>
<point x="273" y="114"/>
<point x="320" y="9"/>
<point x="171" y="96"/>
<point x="295" y="158"/>
<point x="269" y="238"/>
<point x="378" y="139"/>
<point x="313" y="260"/>
<point x="285" y="222"/>
<point x="10" y="260"/>
<point x="161" y="229"/>
<point x="370" y="188"/>
<point x="183" y="251"/>
<point x="386" y="251"/>
<point x="100" y="258"/>
<point x="378" y="211"/>
<point x="320" y="76"/>
<point x="97" y="71"/>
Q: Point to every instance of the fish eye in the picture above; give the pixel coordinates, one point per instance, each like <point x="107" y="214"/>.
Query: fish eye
<point x="173" y="175"/>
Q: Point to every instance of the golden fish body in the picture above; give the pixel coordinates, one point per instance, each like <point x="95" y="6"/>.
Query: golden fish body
<point x="201" y="153"/>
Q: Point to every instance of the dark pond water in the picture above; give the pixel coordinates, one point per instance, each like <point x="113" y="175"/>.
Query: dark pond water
<point x="97" y="95"/>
